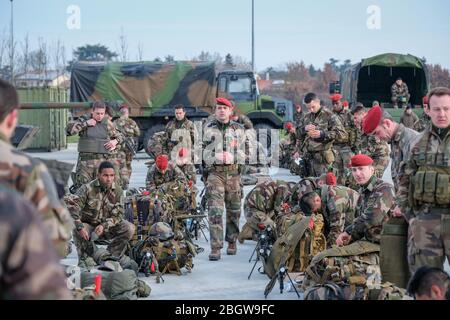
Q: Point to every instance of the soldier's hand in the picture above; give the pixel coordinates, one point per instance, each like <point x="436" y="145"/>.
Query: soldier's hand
<point x="84" y="234"/>
<point x="296" y="155"/>
<point x="91" y="122"/>
<point x="99" y="230"/>
<point x="310" y="127"/>
<point x="397" y="212"/>
<point x="343" y="239"/>
<point x="111" y="145"/>
<point x="314" y="134"/>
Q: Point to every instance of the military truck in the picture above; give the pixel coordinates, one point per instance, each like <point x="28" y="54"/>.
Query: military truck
<point x="372" y="78"/>
<point x="152" y="89"/>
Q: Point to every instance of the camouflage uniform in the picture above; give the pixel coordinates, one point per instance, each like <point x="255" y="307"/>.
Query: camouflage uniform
<point x="30" y="267"/>
<point x="157" y="144"/>
<point x="398" y="92"/>
<point x="88" y="162"/>
<point x="129" y="129"/>
<point x="245" y="121"/>
<point x="375" y="148"/>
<point x="424" y="194"/>
<point x="424" y="122"/>
<point x="342" y="147"/>
<point x="338" y="209"/>
<point x="95" y="205"/>
<point x="374" y="206"/>
<point x="30" y="177"/>
<point x="319" y="152"/>
<point x="410" y="121"/>
<point x="155" y="178"/>
<point x="298" y="118"/>
<point x="223" y="182"/>
<point x="173" y="125"/>
<point x="189" y="172"/>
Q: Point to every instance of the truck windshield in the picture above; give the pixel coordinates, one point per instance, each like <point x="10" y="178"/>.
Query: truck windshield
<point x="240" y="85"/>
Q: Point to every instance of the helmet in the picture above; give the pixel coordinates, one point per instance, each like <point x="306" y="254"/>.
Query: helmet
<point x="327" y="291"/>
<point x="162" y="231"/>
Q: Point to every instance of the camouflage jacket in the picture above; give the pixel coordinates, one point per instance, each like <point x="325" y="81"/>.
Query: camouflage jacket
<point x="410" y="121"/>
<point x="156" y="178"/>
<point x="185" y="124"/>
<point x="400" y="150"/>
<point x="157" y="145"/>
<point x="346" y="118"/>
<point x="221" y="137"/>
<point x="298" y="118"/>
<point x="374" y="208"/>
<point x="375" y="148"/>
<point x="30" y="177"/>
<point x="400" y="91"/>
<point x="268" y="196"/>
<point x="93" y="204"/>
<point x="189" y="172"/>
<point x="30" y="268"/>
<point x="129" y="128"/>
<point x="338" y="209"/>
<point x="424" y="184"/>
<point x="245" y="121"/>
<point x="424" y="122"/>
<point x="330" y="126"/>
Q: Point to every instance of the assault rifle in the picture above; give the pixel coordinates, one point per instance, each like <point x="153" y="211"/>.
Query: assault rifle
<point x="266" y="239"/>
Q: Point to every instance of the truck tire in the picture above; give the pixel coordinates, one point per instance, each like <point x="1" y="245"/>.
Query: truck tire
<point x="149" y="133"/>
<point x="264" y="135"/>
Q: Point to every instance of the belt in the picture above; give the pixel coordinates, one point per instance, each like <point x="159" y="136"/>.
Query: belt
<point x="93" y="156"/>
<point x="225" y="168"/>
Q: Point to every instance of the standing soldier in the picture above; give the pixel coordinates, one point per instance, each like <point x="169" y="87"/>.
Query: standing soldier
<point x="319" y="128"/>
<point x="29" y="176"/>
<point x="424" y="188"/>
<point x="342" y="147"/>
<point x="298" y="115"/>
<point x="129" y="128"/>
<point x="98" y="141"/>
<point x="399" y="93"/>
<point x="424" y="119"/>
<point x="222" y="161"/>
<point x="241" y="118"/>
<point x="98" y="207"/>
<point x="183" y="123"/>
<point x="409" y="119"/>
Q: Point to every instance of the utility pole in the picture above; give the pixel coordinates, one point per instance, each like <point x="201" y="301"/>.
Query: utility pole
<point x="11" y="54"/>
<point x="253" y="35"/>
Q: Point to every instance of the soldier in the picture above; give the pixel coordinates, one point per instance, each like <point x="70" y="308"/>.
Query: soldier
<point x="288" y="148"/>
<point x="186" y="166"/>
<point x="399" y="93"/>
<point x="29" y="176"/>
<point x="424" y="188"/>
<point x="298" y="115"/>
<point x="98" y="140"/>
<point x="183" y="123"/>
<point x="409" y="119"/>
<point x="222" y="159"/>
<point x="429" y="284"/>
<point x="30" y="267"/>
<point x="262" y="205"/>
<point x="163" y="172"/>
<point x="342" y="147"/>
<point x="370" y="145"/>
<point x="241" y="118"/>
<point x="129" y="128"/>
<point x="375" y="203"/>
<point x="424" y="119"/>
<point x="400" y="137"/>
<point x="98" y="207"/>
<point x="319" y="128"/>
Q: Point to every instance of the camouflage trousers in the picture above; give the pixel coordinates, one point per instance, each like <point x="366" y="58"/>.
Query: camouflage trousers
<point x="87" y="170"/>
<point x="340" y="165"/>
<point x="223" y="190"/>
<point x="255" y="216"/>
<point x="128" y="160"/>
<point x="428" y="240"/>
<point x="318" y="164"/>
<point x="119" y="235"/>
<point x="121" y="162"/>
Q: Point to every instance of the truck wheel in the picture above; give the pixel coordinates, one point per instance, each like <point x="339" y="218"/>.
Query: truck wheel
<point x="149" y="133"/>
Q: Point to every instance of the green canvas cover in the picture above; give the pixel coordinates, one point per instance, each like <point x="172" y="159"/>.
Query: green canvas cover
<point x="393" y="60"/>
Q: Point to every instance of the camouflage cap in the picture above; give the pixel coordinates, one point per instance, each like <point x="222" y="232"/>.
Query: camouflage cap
<point x="110" y="265"/>
<point x="162" y="231"/>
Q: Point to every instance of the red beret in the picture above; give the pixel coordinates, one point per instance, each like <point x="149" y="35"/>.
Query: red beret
<point x="425" y="100"/>
<point x="124" y="106"/>
<point x="288" y="126"/>
<point x="360" y="160"/>
<point x="336" y="97"/>
<point x="224" y="102"/>
<point x="372" y="119"/>
<point x="331" y="179"/>
<point x="183" y="152"/>
<point x="162" y="162"/>
<point x="345" y="103"/>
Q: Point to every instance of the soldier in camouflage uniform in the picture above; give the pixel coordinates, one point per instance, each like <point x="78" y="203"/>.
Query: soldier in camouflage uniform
<point x="98" y="207"/>
<point x="319" y="128"/>
<point x="262" y="205"/>
<point x="374" y="207"/>
<point x="163" y="172"/>
<point x="98" y="141"/>
<point x="409" y="119"/>
<point x="223" y="155"/>
<point x="157" y="145"/>
<point x="298" y="115"/>
<point x="186" y="166"/>
<point x="129" y="128"/>
<point x="185" y="129"/>
<point x="30" y="267"/>
<point x="343" y="147"/>
<point x="424" y="188"/>
<point x="424" y="119"/>
<point x="399" y="93"/>
<point x="29" y="176"/>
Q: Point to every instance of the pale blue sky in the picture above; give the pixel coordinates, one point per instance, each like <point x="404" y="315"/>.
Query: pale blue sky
<point x="286" y="30"/>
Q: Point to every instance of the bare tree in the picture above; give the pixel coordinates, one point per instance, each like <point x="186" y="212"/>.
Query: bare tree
<point x="140" y="51"/>
<point x="25" y="56"/>
<point x="3" y="46"/>
<point x="123" y="44"/>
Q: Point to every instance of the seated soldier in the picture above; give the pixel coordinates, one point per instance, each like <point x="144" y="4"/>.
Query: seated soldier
<point x="98" y="207"/>
<point x="163" y="172"/>
<point x="375" y="204"/>
<point x="185" y="164"/>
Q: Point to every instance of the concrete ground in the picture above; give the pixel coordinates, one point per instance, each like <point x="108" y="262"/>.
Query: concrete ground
<point x="224" y="279"/>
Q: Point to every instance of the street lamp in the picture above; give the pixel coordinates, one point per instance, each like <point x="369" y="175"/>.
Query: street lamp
<point x="253" y="35"/>
<point x="11" y="54"/>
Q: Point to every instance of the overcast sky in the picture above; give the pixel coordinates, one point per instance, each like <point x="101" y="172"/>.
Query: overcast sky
<point x="286" y="30"/>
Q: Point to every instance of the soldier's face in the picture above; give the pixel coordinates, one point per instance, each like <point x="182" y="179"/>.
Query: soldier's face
<point x="439" y="111"/>
<point x="337" y="106"/>
<point x="179" y="114"/>
<point x="362" y="174"/>
<point x="124" y="112"/>
<point x="313" y="106"/>
<point x="408" y="111"/>
<point x="106" y="177"/>
<point x="399" y="82"/>
<point x="98" y="114"/>
<point x="358" y="118"/>
<point x="317" y="204"/>
<point x="223" y="113"/>
<point x="382" y="132"/>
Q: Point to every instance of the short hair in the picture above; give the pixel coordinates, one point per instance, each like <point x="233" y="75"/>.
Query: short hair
<point x="179" y="106"/>
<point x="438" y="92"/>
<point x="386" y="115"/>
<point x="306" y="202"/>
<point x="105" y="165"/>
<point x="424" y="278"/>
<point x="310" y="97"/>
<point x="109" y="111"/>
<point x="9" y="99"/>
<point x="98" y="105"/>
<point x="399" y="78"/>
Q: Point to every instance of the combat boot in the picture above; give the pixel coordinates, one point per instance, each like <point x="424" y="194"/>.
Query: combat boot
<point x="214" y="255"/>
<point x="245" y="234"/>
<point x="231" y="250"/>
